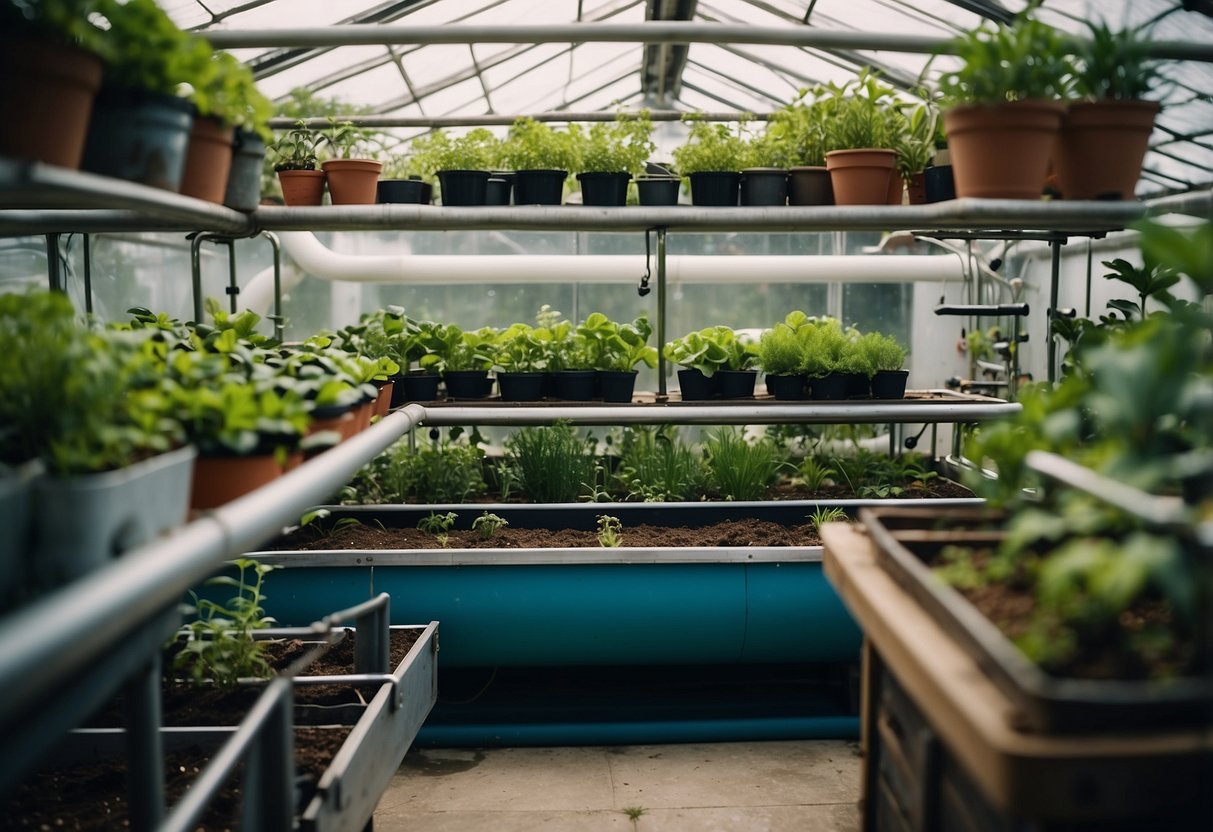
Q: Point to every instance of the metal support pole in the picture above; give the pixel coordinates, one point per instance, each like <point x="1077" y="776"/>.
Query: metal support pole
<point x="54" y="273"/>
<point x="88" y="274"/>
<point x="662" y="394"/>
<point x="269" y="780"/>
<point x="1087" y="312"/>
<point x="144" y="747"/>
<point x="233" y="288"/>
<point x="1055" y="278"/>
<point x="277" y="247"/>
<point x="196" y="272"/>
<point x="1013" y="380"/>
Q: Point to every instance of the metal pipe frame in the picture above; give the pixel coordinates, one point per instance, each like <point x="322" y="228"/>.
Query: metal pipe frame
<point x="276" y="245"/>
<point x="650" y="32"/>
<point x="490" y="119"/>
<point x="661" y="314"/>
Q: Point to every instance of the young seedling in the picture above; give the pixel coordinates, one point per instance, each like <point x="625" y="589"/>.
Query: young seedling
<point x="487" y="524"/>
<point x="438" y="525"/>
<point x="634" y="813"/>
<point x="812" y="473"/>
<point x="822" y="515"/>
<point x="610" y="531"/>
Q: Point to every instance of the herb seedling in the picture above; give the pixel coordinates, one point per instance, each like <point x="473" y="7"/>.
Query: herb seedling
<point x="438" y="525"/>
<point x="821" y="515"/>
<point x="610" y="531"/>
<point x="487" y="524"/>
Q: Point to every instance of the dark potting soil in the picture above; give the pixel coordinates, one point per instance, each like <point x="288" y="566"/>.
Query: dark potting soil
<point x="747" y="532"/>
<point x="92" y="796"/>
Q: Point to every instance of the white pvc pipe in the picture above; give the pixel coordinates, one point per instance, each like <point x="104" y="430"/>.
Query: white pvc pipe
<point x="313" y="257"/>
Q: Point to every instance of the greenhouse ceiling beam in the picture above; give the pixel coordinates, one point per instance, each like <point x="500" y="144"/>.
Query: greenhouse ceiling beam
<point x="663" y="63"/>
<point x="354" y="34"/>
<point x="719" y="99"/>
<point x="507" y="119"/>
<point x="736" y="83"/>
<point x="987" y="9"/>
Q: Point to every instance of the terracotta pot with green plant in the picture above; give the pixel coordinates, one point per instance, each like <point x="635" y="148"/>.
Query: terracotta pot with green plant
<point x="50" y="71"/>
<point x="800" y="126"/>
<point x="1104" y="136"/>
<point x="541" y="159"/>
<point x="612" y="153"/>
<point x="859" y="122"/>
<point x="1004" y="107"/>
<point x="295" y="152"/>
<point x="352" y="172"/>
<point x="221" y="89"/>
<point x="711" y="158"/>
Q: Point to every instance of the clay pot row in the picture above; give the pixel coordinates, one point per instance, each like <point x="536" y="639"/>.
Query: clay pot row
<point x="350" y="182"/>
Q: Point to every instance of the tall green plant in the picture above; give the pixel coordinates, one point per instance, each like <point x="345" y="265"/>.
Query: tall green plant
<point x="552" y="464"/>
<point x="656" y="465"/>
<point x="533" y="145"/>
<point x="622" y="145"/>
<point x="737" y="468"/>
<point x="709" y="147"/>
<point x="1026" y="59"/>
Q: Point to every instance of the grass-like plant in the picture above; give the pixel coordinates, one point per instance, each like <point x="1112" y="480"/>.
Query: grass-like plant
<point x="220" y="648"/>
<point x="1024" y="60"/>
<point x="553" y="464"/>
<point x="738" y="469"/>
<point x="488" y="523"/>
<point x="822" y="515"/>
<point x="449" y="472"/>
<point x="1115" y="64"/>
<point x="812" y="473"/>
<point x="655" y="466"/>
<point x="610" y="531"/>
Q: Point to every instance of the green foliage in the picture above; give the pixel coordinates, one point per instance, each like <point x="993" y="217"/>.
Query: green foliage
<point x="621" y="145"/>
<point x="738" y="469"/>
<point x="863" y="113"/>
<point x="435" y="523"/>
<point x="616" y="346"/>
<point x="224" y="88"/>
<point x="449" y="348"/>
<point x="477" y="149"/>
<point x="487" y="524"/>
<point x="822" y="515"/>
<point x="914" y="137"/>
<point x="825" y="344"/>
<point x="66" y="21"/>
<point x="1024" y="60"/>
<point x="870" y="474"/>
<point x="345" y="141"/>
<point x="799" y="128"/>
<point x="610" y="531"/>
<point x="712" y="348"/>
<point x="781" y="351"/>
<point x="551" y="464"/>
<point x="1114" y="64"/>
<point x="533" y="145"/>
<point x="220" y="648"/>
<point x="709" y="147"/>
<point x="883" y="351"/>
<point x="447" y="472"/>
<point x="144" y="49"/>
<point x="520" y="348"/>
<point x="812" y="473"/>
<point x="296" y="149"/>
<point x="655" y="466"/>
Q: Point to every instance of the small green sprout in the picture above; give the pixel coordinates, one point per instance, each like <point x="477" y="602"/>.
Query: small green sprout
<point x="610" y="531"/>
<point x="488" y="524"/>
<point x="823" y="515"/>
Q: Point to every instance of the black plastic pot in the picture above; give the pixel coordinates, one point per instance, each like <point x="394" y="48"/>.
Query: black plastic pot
<point x="414" y="387"/>
<point x="539" y="187"/>
<point x="520" y="387"/>
<point x="859" y="386"/>
<point x="832" y="387"/>
<point x="401" y="191"/>
<point x="890" y="384"/>
<point x="573" y="385"/>
<point x="939" y="183"/>
<point x="498" y="191"/>
<point x="695" y="386"/>
<point x="244" y="180"/>
<point x="139" y="136"/>
<point x="736" y="384"/>
<point x="468" y="384"/>
<point x="617" y="385"/>
<point x="658" y="190"/>
<point x="715" y="188"/>
<point x="810" y="186"/>
<point x="764" y="186"/>
<point x="786" y="388"/>
<point x="606" y="189"/>
<point x="463" y="187"/>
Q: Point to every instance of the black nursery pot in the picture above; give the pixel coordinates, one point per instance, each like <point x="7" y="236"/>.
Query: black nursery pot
<point x="401" y="191"/>
<point x="830" y="387"/>
<point x="939" y="183"/>
<point x="604" y="189"/>
<point x="715" y="188"/>
<point x="463" y="187"/>
<point x="498" y="191"/>
<point x="520" y="387"/>
<point x="736" y="384"/>
<point x="414" y="387"/>
<point x="468" y="384"/>
<point x="617" y="386"/>
<point x="658" y="190"/>
<point x="859" y="386"/>
<point x="695" y="386"/>
<point x="573" y="385"/>
<point x="890" y="384"/>
<point x="764" y="186"/>
<point x="539" y="187"/>
<point x="786" y="388"/>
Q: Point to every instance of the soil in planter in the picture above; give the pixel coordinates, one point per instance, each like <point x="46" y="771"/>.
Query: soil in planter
<point x="729" y="533"/>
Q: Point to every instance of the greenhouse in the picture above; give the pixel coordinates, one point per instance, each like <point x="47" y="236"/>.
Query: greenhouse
<point x="666" y="415"/>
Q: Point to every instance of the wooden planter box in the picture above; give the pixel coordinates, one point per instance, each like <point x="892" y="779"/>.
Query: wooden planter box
<point x="941" y="751"/>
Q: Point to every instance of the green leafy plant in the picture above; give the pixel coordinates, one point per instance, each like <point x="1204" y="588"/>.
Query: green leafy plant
<point x="709" y="147"/>
<point x="226" y="90"/>
<point x="822" y="515"/>
<point x="655" y="466"/>
<point x="487" y="524"/>
<point x="438" y="525"/>
<point x="1026" y="59"/>
<point x="446" y="472"/>
<point x="65" y="21"/>
<point x="145" y="50"/>
<point x="533" y="145"/>
<point x="617" y="347"/>
<point x="914" y="138"/>
<point x="1114" y="64"/>
<point x="860" y="114"/>
<point x="296" y="149"/>
<point x="712" y="348"/>
<point x="883" y="352"/>
<point x="520" y="348"/>
<point x="449" y="348"/>
<point x="551" y="464"/>
<point x="618" y="146"/>
<point x="738" y="469"/>
<point x="478" y="149"/>
<point x="219" y="648"/>
<point x="812" y="473"/>
<point x="799" y="127"/>
<point x="825" y="344"/>
<point x="346" y="141"/>
<point x="781" y="351"/>
<point x="610" y="531"/>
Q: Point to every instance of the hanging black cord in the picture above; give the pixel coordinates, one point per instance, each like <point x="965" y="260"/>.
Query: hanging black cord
<point x="643" y="289"/>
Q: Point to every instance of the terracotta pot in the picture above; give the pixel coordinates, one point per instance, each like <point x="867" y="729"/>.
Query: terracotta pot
<point x="861" y="177"/>
<point x="897" y="188"/>
<point x="916" y="189"/>
<point x="219" y="480"/>
<point x="1100" y="148"/>
<point x="1002" y="151"/>
<point x="810" y="186"/>
<point x="362" y="415"/>
<point x="302" y="187"/>
<point x="208" y="161"/>
<point x="344" y="424"/>
<point x="383" y="403"/>
<point x="353" y="181"/>
<point x="46" y="95"/>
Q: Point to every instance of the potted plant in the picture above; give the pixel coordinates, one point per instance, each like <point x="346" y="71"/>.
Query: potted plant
<point x="711" y="158"/>
<point x="781" y="356"/>
<point x="915" y="146"/>
<point x="701" y="355"/>
<point x="295" y="151"/>
<point x="461" y="164"/>
<point x="737" y="376"/>
<point x="50" y="71"/>
<point x="825" y="343"/>
<point x="353" y="173"/>
<point x="463" y="358"/>
<point x="658" y="184"/>
<point x="800" y="126"/>
<point x="885" y="359"/>
<point x="612" y="153"/>
<point x="520" y="356"/>
<point x="541" y="159"/>
<point x="615" y="351"/>
<point x="1104" y="135"/>
<point x="219" y="104"/>
<point x="1004" y="107"/>
<point x="858" y="140"/>
<point x="764" y="170"/>
<point x="571" y="375"/>
<point x="403" y="182"/>
<point x="249" y="111"/>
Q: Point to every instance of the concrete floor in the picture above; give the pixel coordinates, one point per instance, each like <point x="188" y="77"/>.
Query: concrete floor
<point x="806" y="786"/>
